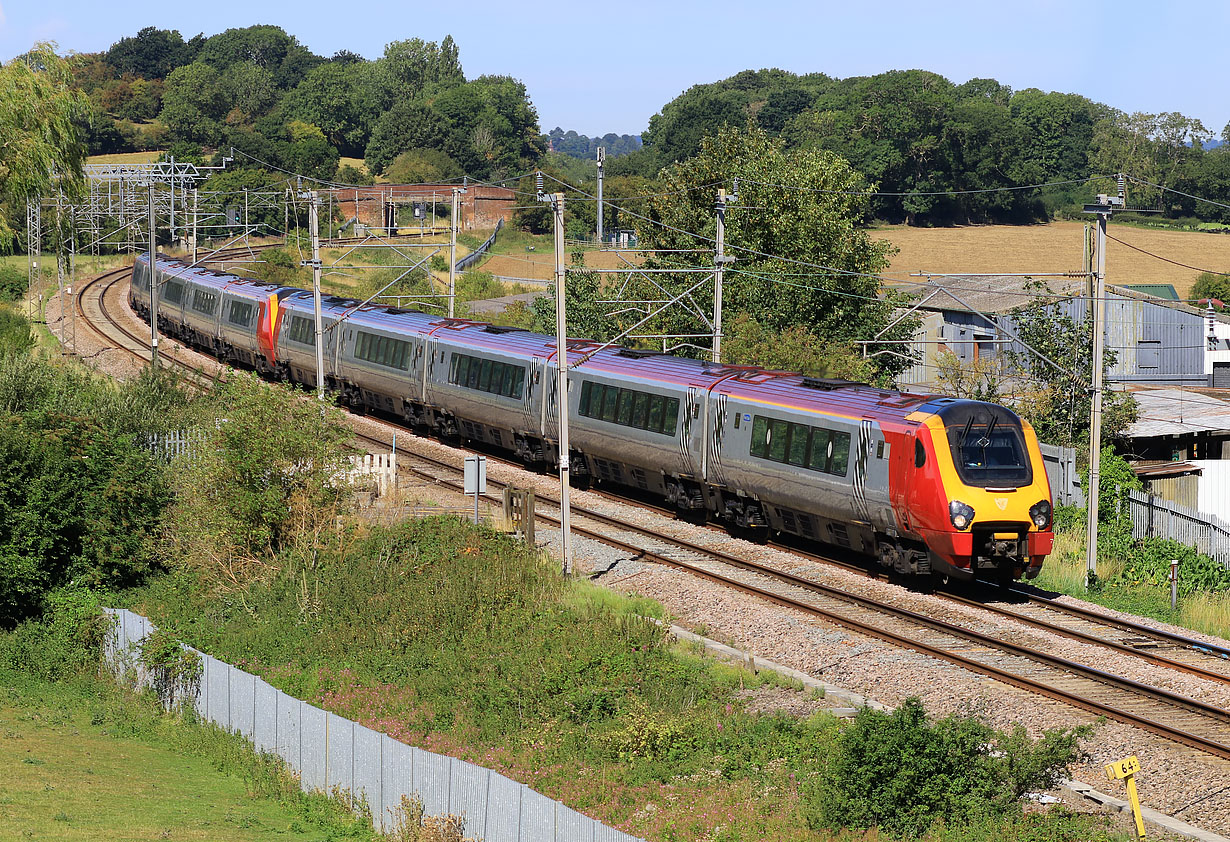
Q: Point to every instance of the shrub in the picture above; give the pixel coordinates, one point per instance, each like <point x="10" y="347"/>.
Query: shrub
<point x="66" y="641"/>
<point x="898" y="772"/>
<point x="13" y="283"/>
<point x="15" y="335"/>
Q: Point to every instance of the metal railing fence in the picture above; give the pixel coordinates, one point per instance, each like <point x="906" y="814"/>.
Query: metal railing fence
<point x="476" y="255"/>
<point x="329" y="752"/>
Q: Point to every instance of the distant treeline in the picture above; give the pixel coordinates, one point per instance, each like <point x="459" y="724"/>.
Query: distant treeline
<point x="916" y="134"/>
<point x="580" y="146"/>
<point x="941" y="153"/>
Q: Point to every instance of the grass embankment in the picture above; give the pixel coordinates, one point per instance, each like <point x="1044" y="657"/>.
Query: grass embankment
<point x="89" y="761"/>
<point x="461" y="641"/>
<point x="1129" y="585"/>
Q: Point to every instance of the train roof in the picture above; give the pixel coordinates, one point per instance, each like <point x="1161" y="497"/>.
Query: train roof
<point x="780" y="389"/>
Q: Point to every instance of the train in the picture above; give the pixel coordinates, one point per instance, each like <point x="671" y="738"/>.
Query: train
<point x="927" y="485"/>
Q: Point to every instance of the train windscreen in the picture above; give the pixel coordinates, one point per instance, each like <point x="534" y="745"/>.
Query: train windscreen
<point x="988" y="445"/>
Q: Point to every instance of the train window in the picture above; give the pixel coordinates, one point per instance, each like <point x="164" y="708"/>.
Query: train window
<point x="738" y="415"/>
<point x="302" y="331"/>
<point x="640" y="411"/>
<point x="796" y="453"/>
<point x="779" y="432"/>
<point x="760" y="437"/>
<point x="610" y="401"/>
<point x="623" y="414"/>
<point x="587" y="389"/>
<point x="497" y="378"/>
<point x="821" y="449"/>
<point x="654" y="422"/>
<point x="841" y="454"/>
<point x="240" y="313"/>
<point x="204" y="302"/>
<point x="670" y="417"/>
<point x="920" y="454"/>
<point x="173" y="292"/>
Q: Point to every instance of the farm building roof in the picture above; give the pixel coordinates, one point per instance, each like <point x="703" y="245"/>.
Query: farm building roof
<point x="1164" y="291"/>
<point x="1000" y="294"/>
<point x="1176" y="412"/>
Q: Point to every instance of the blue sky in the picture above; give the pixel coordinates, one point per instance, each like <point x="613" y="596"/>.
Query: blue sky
<point x="601" y="66"/>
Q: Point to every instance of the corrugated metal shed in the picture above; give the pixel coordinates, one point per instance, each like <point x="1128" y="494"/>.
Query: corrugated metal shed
<point x="1177" y="412"/>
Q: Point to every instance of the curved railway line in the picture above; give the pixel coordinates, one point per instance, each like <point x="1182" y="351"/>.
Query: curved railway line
<point x="1203" y="726"/>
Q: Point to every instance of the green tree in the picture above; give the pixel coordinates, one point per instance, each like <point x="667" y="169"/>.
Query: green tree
<point x="796" y="348"/>
<point x="801" y="257"/>
<point x="194" y="103"/>
<point x="249" y="90"/>
<point x="263" y="480"/>
<point x="422" y="166"/>
<point x="338" y="98"/>
<point x="1211" y="285"/>
<point x="1053" y="394"/>
<point x="407" y="125"/>
<point x="41" y="137"/>
<point x="151" y="54"/>
<point x="268" y="47"/>
<point x="416" y="69"/>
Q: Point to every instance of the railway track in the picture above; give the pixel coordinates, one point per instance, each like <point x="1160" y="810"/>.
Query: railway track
<point x="1184" y="720"/>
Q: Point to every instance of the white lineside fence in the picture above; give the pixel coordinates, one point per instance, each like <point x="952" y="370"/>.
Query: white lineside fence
<point x="369" y="469"/>
<point x="329" y="752"/>
<point x="1153" y="517"/>
<point x="379" y="469"/>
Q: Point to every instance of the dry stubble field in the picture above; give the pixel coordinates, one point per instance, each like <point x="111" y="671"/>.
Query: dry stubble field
<point x="1056" y="247"/>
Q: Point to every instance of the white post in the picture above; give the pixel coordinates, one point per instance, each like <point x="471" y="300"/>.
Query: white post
<point x="1095" y="416"/>
<point x="452" y="252"/>
<point x="601" y="161"/>
<point x="719" y="263"/>
<point x="153" y="282"/>
<point x="561" y="344"/>
<point x="314" y="229"/>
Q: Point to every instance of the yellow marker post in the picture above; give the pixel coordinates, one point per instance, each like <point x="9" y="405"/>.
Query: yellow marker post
<point x="1125" y="770"/>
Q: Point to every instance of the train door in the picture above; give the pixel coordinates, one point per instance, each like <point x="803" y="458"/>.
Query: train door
<point x="433" y="347"/>
<point x="692" y="434"/>
<point x="871" y="457"/>
<point x="715" y="418"/>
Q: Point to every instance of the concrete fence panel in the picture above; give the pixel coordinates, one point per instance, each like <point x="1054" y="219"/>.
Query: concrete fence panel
<point x="340" y="752"/>
<point x="503" y="800"/>
<point x="367" y="767"/>
<point x="537" y="816"/>
<point x="468" y="796"/>
<point x="314" y="738"/>
<point x="243" y="704"/>
<point x="433" y="776"/>
<point x="265" y="730"/>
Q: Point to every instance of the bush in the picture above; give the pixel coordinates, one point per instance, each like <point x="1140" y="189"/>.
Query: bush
<point x="15" y="335"/>
<point x="13" y="283"/>
<point x="66" y="641"/>
<point x="898" y="772"/>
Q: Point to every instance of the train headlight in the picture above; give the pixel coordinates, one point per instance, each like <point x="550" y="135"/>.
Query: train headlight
<point x="1040" y="514"/>
<point x="961" y="514"/>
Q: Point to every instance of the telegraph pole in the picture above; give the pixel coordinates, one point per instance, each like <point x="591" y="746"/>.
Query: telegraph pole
<point x="153" y="282"/>
<point x="314" y="230"/>
<point x="601" y="161"/>
<point x="719" y="262"/>
<point x="1102" y="209"/>
<point x="196" y="194"/>
<point x="452" y="251"/>
<point x="561" y="344"/>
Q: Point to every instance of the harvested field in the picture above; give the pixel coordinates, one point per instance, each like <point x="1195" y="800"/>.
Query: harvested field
<point x="125" y="158"/>
<point x="1056" y="247"/>
<point x="540" y="264"/>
